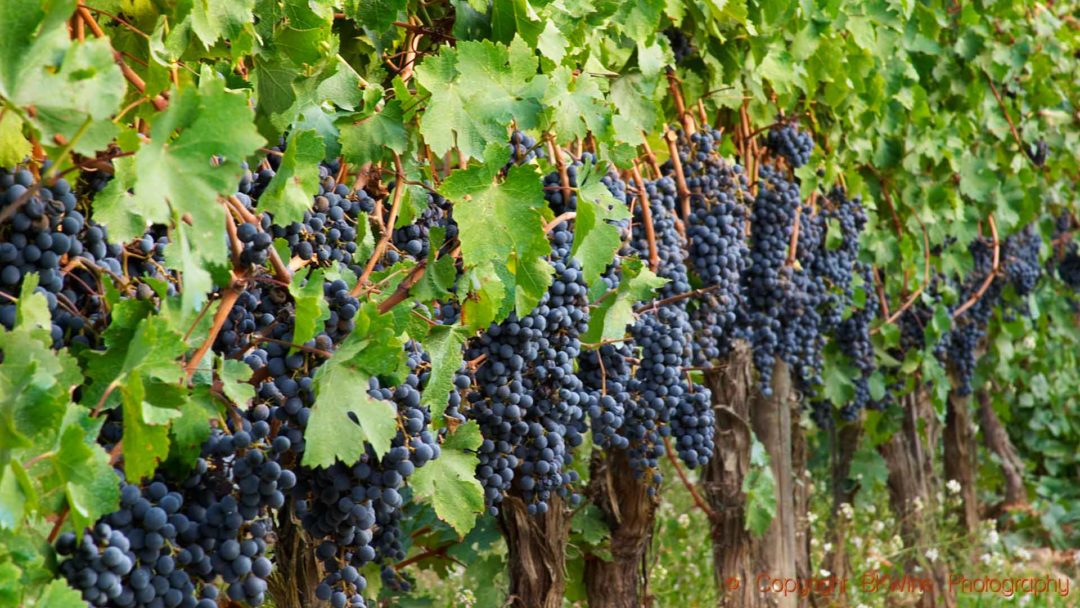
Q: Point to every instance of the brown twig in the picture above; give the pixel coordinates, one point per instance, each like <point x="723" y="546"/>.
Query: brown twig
<point x="990" y="276"/>
<point x="680" y="105"/>
<point x="560" y="164"/>
<point x="883" y="303"/>
<point x="59" y="524"/>
<point x="793" y="245"/>
<point x="677" y="298"/>
<point x="926" y="276"/>
<point x="388" y="229"/>
<point x="701" y="504"/>
<point x="564" y="217"/>
<point x="646" y="215"/>
<point x="680" y="177"/>
<point x="650" y="156"/>
<point x="228" y="300"/>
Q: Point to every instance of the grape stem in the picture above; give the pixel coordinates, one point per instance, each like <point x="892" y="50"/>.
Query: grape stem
<point x="650" y="155"/>
<point x="564" y="176"/>
<point x="388" y="231"/>
<point x="565" y="217"/>
<point x="682" y="296"/>
<point x="646" y="214"/>
<point x="686" y="482"/>
<point x="926" y="278"/>
<point x="228" y="300"/>
<point x="680" y="105"/>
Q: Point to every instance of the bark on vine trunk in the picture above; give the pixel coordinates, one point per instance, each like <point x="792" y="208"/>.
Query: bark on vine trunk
<point x="630" y="512"/>
<point x="845" y="440"/>
<point x="800" y="498"/>
<point x="731" y="385"/>
<point x="912" y="497"/>
<point x="537" y="559"/>
<point x="296" y="571"/>
<point x="960" y="451"/>
<point x="742" y="564"/>
<point x="775" y="553"/>
<point x="997" y="441"/>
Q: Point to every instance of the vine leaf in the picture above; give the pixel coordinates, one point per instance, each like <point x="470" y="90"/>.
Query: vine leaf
<point x="14" y="147"/>
<point x="375" y="14"/>
<point x="343" y="421"/>
<point x="186" y="172"/>
<point x="215" y="19"/>
<point x="88" y="479"/>
<point x="59" y="595"/>
<point x="476" y="90"/>
<point x="311" y="307"/>
<point x="502" y="223"/>
<point x="575" y="106"/>
<point x="68" y="84"/>
<point x="596" y="238"/>
<point x="615" y="310"/>
<point x="450" y="481"/>
<point x="289" y="193"/>
<point x="369" y="138"/>
<point x="444" y="345"/>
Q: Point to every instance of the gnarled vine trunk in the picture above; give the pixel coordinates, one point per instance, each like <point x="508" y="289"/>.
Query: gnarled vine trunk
<point x="630" y="513"/>
<point x="997" y="441"/>
<point x="960" y="452"/>
<point x="912" y="497"/>
<point x="722" y="480"/>
<point x="740" y="560"/>
<point x="296" y="571"/>
<point x="776" y="552"/>
<point x="537" y="559"/>
<point x="845" y="442"/>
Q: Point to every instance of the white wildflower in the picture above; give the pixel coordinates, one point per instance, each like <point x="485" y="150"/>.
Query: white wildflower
<point x="932" y="554"/>
<point x="953" y="486"/>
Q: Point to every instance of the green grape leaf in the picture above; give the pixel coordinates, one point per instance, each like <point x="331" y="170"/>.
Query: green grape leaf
<point x="375" y="14"/>
<point x="215" y="19"/>
<point x="342" y="421"/>
<point x="596" y="239"/>
<point x="487" y="292"/>
<point x="476" y="90"/>
<point x="14" y="147"/>
<point x="615" y="310"/>
<point x="371" y="138"/>
<point x="589" y="526"/>
<point x="120" y="211"/>
<point x="575" y="105"/>
<point x="234" y="381"/>
<point x="449" y="481"/>
<point x="146" y="433"/>
<point x="502" y="223"/>
<point x="290" y="192"/>
<point x="444" y="345"/>
<point x="89" y="482"/>
<point x="194" y="157"/>
<point x="192" y="428"/>
<point x="59" y="595"/>
<point x="312" y="308"/>
<point x="16" y="495"/>
<point x="73" y="87"/>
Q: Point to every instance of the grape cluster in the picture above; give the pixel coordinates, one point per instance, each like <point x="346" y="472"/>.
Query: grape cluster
<point x="716" y="235"/>
<point x="529" y="402"/>
<point x="523" y="149"/>
<point x="680" y="43"/>
<point x="412" y="239"/>
<point x="768" y="279"/>
<point x="328" y="231"/>
<point x="790" y="143"/>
